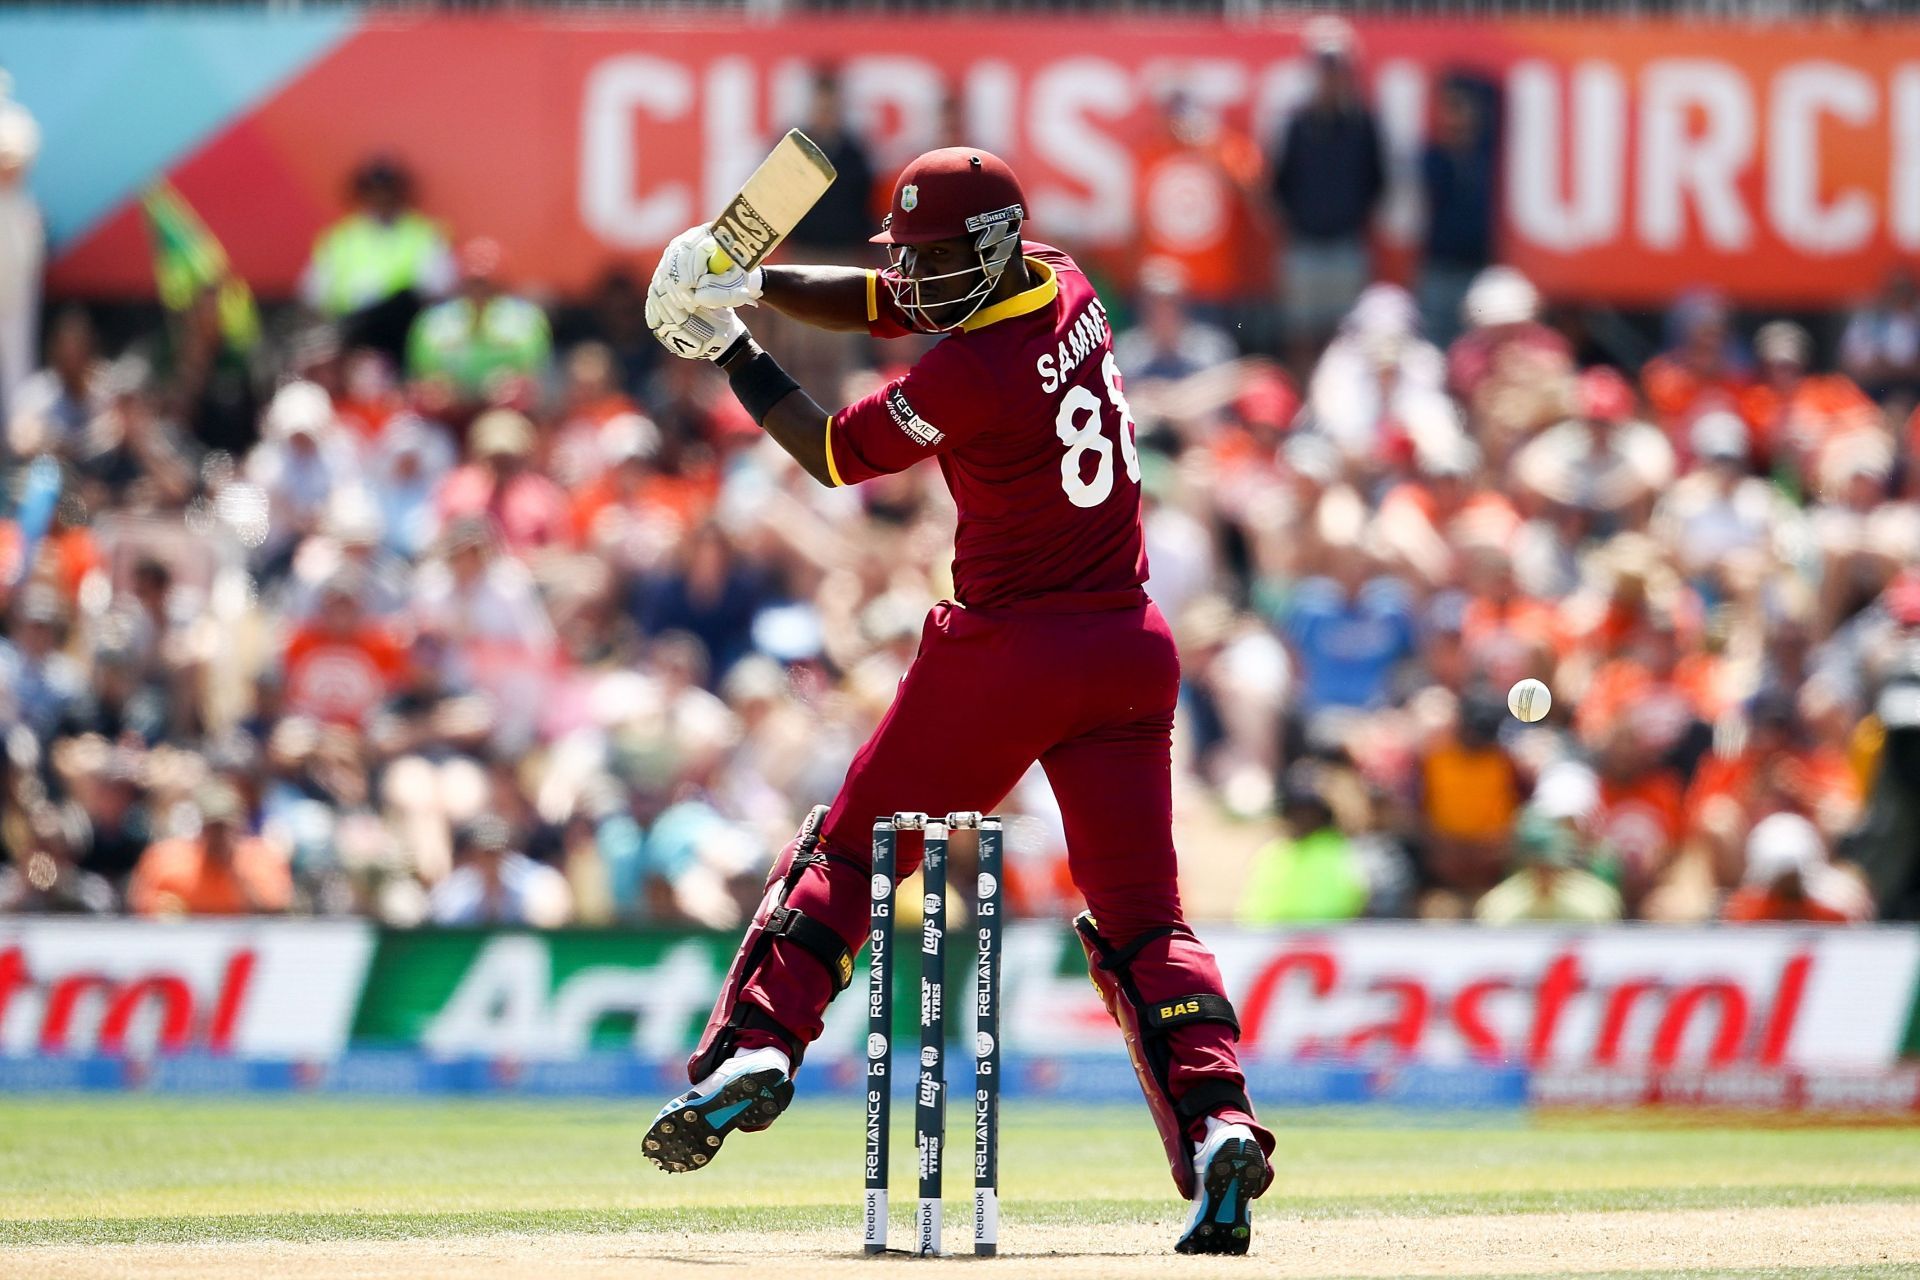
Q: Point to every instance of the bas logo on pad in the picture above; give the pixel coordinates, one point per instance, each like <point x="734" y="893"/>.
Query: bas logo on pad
<point x="918" y="429"/>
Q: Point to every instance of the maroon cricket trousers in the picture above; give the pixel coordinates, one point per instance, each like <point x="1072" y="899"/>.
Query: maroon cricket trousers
<point x="1084" y="684"/>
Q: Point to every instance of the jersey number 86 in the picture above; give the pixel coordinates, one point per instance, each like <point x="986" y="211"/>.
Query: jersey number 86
<point x="1078" y="426"/>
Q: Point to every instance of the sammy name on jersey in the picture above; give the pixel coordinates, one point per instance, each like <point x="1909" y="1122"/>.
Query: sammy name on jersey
<point x="1085" y="338"/>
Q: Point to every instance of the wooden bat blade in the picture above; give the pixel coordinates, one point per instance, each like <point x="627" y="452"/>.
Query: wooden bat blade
<point x="790" y="181"/>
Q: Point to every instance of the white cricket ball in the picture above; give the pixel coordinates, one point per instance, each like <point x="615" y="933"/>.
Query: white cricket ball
<point x="1529" y="701"/>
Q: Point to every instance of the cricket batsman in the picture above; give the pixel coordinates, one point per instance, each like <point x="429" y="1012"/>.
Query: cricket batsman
<point x="1049" y="651"/>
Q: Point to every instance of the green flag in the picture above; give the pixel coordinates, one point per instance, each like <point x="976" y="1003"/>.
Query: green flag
<point x="188" y="260"/>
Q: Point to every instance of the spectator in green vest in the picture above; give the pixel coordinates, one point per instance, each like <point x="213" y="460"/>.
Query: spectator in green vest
<point x="474" y="340"/>
<point x="1313" y="872"/>
<point x="374" y="269"/>
<point x="1548" y="887"/>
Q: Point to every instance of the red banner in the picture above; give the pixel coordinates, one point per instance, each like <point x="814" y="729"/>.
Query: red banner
<point x="1780" y="163"/>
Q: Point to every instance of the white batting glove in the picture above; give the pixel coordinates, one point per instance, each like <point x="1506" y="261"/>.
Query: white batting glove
<point x="734" y="287"/>
<point x="682" y="264"/>
<point x="703" y="335"/>
<point x="663" y="309"/>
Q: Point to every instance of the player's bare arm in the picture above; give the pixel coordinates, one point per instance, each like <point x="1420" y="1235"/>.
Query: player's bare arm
<point x="937" y="281"/>
<point x="784" y="411"/>
<point x="829" y="297"/>
<point x="833" y="298"/>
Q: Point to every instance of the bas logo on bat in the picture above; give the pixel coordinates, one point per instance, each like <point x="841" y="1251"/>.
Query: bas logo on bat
<point x="742" y="232"/>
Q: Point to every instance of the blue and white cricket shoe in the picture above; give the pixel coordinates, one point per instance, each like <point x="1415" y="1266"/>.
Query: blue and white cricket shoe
<point x="1231" y="1170"/>
<point x="745" y="1092"/>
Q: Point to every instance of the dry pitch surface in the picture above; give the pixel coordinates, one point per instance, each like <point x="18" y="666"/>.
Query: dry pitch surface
<point x="156" y="1189"/>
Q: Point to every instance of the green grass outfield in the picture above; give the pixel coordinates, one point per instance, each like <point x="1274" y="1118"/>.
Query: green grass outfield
<point x="80" y="1170"/>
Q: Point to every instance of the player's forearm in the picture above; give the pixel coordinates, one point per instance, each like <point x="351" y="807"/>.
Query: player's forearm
<point x="825" y="297"/>
<point x="793" y="418"/>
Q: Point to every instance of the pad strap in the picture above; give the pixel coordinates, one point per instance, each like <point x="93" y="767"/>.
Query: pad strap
<point x="816" y="939"/>
<point x="750" y="1016"/>
<point x="1162" y="1016"/>
<point x="1114" y="959"/>
<point x="1208" y="1096"/>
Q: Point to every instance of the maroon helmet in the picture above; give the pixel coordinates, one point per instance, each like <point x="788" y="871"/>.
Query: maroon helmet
<point x="948" y="194"/>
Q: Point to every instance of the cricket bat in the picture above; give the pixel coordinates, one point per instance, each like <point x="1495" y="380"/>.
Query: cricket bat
<point x="790" y="181"/>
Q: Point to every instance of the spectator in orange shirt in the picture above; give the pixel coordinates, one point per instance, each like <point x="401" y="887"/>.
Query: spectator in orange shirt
<point x="594" y="406"/>
<point x="1198" y="182"/>
<point x="1470" y="790"/>
<point x="634" y="512"/>
<point x="369" y="397"/>
<point x="339" y="667"/>
<point x="1423" y="521"/>
<point x="1788" y="877"/>
<point x="528" y="509"/>
<point x="1641" y="816"/>
<point x="1647" y="683"/>
<point x="1699" y="373"/>
<point x="1794" y="413"/>
<point x="64" y="555"/>
<point x="1776" y="766"/>
<point x="220" y="872"/>
<point x="1509" y="633"/>
<point x="1632" y="585"/>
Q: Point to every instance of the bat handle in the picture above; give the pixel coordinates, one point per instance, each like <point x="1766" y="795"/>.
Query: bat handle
<point x="718" y="262"/>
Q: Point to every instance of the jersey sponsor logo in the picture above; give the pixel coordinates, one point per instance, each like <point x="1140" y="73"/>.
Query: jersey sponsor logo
<point x="918" y="429"/>
<point x="981" y="221"/>
<point x="1089" y="334"/>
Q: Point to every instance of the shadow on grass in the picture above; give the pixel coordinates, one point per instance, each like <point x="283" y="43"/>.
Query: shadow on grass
<point x="227" y="1228"/>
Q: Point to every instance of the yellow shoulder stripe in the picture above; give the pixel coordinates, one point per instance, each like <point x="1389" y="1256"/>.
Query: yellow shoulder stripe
<point x="832" y="470"/>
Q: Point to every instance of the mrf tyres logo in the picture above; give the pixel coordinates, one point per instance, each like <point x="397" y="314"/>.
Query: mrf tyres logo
<point x="917" y="428"/>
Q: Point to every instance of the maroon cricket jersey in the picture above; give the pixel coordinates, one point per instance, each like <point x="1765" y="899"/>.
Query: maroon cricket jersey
<point x="1024" y="410"/>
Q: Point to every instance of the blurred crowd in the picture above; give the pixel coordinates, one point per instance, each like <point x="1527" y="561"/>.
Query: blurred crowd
<point x="445" y="602"/>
